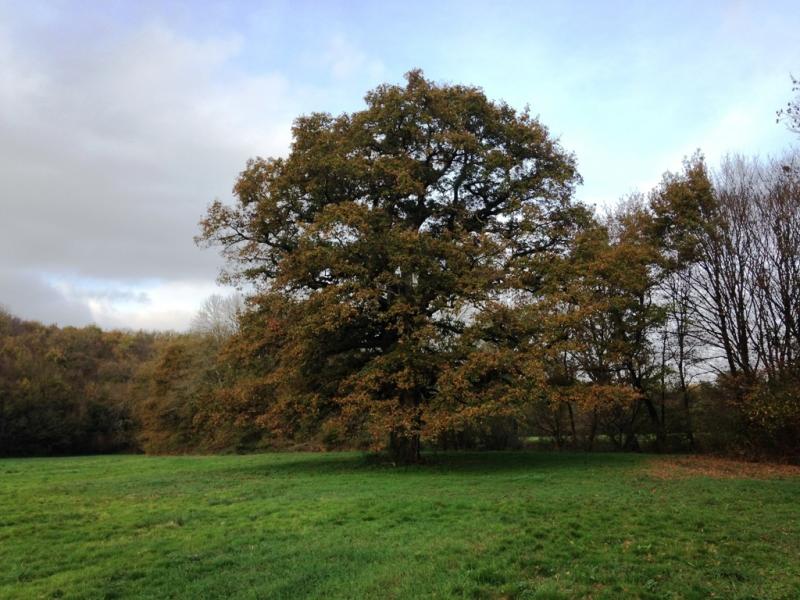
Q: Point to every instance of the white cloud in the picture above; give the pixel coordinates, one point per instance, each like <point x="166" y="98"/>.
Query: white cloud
<point x="345" y="59"/>
<point x="170" y="305"/>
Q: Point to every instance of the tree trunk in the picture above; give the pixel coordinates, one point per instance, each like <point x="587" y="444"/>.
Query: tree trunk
<point x="631" y="443"/>
<point x="572" y="425"/>
<point x="592" y="431"/>
<point x="404" y="448"/>
<point x="661" y="432"/>
<point x="689" y="427"/>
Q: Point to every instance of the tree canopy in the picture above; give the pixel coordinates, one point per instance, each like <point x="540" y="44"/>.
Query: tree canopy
<point x="392" y="237"/>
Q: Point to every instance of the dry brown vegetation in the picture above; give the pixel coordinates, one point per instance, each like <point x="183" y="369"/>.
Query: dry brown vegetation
<point x="682" y="467"/>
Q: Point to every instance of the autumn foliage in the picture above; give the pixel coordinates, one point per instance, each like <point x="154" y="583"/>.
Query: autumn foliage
<point x="419" y="273"/>
<point x="393" y="237"/>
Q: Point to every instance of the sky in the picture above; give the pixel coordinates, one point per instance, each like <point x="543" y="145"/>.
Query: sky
<point x="121" y="121"/>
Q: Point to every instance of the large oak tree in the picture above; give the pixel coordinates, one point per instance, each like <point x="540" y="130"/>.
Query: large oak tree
<point x="386" y="251"/>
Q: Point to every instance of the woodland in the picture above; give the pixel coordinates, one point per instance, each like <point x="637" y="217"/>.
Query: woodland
<point x="419" y="276"/>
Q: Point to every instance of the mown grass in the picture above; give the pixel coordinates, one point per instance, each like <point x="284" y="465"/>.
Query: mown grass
<point x="514" y="525"/>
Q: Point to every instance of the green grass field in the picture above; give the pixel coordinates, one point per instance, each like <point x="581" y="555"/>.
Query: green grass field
<point x="497" y="525"/>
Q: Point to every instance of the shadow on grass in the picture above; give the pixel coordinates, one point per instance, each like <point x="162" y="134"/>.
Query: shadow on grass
<point x="473" y="463"/>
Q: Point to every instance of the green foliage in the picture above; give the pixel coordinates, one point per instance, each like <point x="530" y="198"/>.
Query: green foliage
<point x="489" y="525"/>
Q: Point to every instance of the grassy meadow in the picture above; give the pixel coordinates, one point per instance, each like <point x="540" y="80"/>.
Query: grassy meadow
<point x="346" y="525"/>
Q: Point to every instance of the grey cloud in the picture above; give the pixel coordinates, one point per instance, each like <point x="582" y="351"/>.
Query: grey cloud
<point x="112" y="143"/>
<point x="110" y="152"/>
<point x="29" y="296"/>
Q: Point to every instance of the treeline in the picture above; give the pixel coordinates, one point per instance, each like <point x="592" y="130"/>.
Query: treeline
<point x="426" y="276"/>
<point x="421" y="275"/>
<point x="66" y="390"/>
<point x="688" y="299"/>
<point x="83" y="390"/>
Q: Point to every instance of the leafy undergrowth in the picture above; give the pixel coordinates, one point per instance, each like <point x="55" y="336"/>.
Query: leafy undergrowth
<point x="495" y="525"/>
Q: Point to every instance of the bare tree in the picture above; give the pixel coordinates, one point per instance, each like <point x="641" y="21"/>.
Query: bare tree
<point x="776" y="265"/>
<point x="722" y="298"/>
<point x="218" y="317"/>
<point x="683" y="349"/>
<point x="746" y="279"/>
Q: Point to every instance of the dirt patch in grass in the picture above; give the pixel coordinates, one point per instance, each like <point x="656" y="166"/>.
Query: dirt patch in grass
<point x="682" y="467"/>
